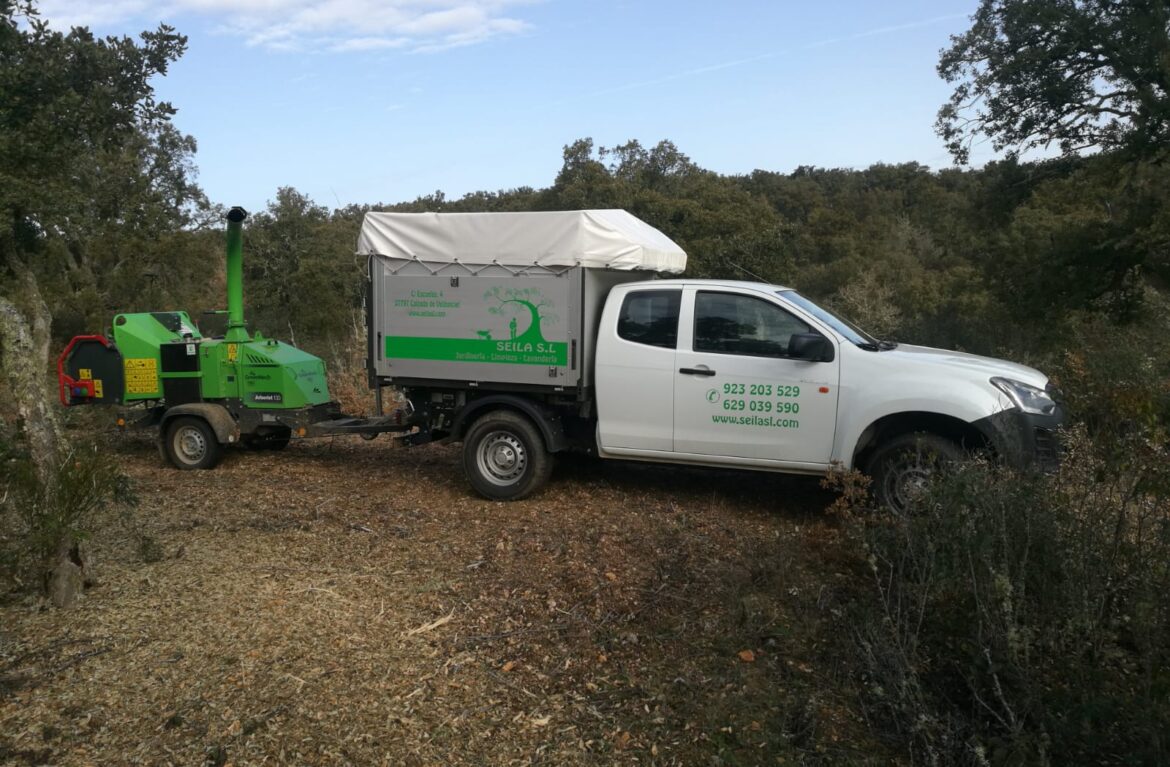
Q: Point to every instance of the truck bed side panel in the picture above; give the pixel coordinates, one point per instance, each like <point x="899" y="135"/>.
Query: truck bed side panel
<point x="476" y="323"/>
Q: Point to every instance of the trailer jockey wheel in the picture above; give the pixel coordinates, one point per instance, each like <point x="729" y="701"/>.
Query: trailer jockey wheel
<point x="190" y="443"/>
<point x="274" y="440"/>
<point x="505" y="457"/>
<point x="277" y="439"/>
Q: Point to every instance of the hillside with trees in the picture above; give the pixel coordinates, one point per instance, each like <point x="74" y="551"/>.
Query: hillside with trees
<point x="1014" y="620"/>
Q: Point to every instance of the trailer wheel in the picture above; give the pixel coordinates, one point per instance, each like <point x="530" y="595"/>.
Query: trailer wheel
<point x="191" y="444"/>
<point x="902" y="468"/>
<point x="504" y="456"/>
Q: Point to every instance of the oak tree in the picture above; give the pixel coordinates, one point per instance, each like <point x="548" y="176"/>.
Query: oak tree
<point x="83" y="143"/>
<point x="1077" y="74"/>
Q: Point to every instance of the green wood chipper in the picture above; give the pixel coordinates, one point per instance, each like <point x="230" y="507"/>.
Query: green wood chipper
<point x="205" y="393"/>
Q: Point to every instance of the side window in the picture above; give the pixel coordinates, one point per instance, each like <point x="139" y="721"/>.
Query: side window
<point x="650" y="317"/>
<point x="729" y="323"/>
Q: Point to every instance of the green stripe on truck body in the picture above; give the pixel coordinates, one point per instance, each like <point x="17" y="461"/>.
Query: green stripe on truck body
<point x="516" y="352"/>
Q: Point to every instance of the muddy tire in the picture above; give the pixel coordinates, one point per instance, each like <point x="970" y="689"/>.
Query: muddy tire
<point x="504" y="456"/>
<point x="903" y="467"/>
<point x="190" y="443"/>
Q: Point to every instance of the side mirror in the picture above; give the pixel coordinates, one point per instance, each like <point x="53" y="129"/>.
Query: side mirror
<point x="810" y="346"/>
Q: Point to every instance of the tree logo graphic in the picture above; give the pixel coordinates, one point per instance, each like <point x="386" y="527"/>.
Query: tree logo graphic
<point x="524" y="312"/>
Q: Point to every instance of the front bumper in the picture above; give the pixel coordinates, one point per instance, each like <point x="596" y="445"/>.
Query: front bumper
<point x="1023" y="440"/>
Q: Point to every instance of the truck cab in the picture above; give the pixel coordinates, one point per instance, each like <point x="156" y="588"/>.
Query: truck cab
<point x="744" y="374"/>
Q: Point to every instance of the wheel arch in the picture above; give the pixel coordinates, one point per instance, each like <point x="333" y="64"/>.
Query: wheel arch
<point x="546" y="421"/>
<point x="227" y="431"/>
<point x="894" y="425"/>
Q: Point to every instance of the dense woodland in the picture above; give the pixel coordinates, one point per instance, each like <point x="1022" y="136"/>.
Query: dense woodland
<point x="1061" y="262"/>
<point x="1014" y="259"/>
<point x="1011" y="258"/>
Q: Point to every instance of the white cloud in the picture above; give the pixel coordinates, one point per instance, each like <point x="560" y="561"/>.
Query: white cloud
<point x="369" y="44"/>
<point x="63" y="13"/>
<point x="312" y="25"/>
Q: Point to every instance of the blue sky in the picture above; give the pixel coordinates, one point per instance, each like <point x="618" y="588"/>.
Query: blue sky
<point x="354" y="101"/>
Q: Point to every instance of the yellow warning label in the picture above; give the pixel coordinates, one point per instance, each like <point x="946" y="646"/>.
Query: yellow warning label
<point x="84" y="374"/>
<point x="233" y="350"/>
<point x="97" y="388"/>
<point x="141" y="375"/>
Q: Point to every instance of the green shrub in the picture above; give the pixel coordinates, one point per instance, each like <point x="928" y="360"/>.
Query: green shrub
<point x="1025" y="619"/>
<point x="42" y="519"/>
<point x="1117" y="381"/>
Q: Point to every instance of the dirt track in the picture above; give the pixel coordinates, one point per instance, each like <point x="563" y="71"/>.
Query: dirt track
<point x="354" y="603"/>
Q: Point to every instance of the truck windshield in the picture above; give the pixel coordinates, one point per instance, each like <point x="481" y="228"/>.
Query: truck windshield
<point x="846" y="328"/>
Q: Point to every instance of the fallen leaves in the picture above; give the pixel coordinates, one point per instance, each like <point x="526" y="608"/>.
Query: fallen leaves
<point x="558" y="629"/>
<point x="428" y="627"/>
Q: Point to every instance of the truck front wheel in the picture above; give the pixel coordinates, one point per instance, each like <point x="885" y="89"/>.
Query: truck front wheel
<point x="903" y="467"/>
<point x="504" y="456"/>
<point x="191" y="444"/>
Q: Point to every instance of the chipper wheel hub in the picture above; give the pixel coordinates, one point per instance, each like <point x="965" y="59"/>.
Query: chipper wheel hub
<point x="190" y="443"/>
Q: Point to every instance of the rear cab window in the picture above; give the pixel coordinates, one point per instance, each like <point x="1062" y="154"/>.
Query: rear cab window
<point x="650" y="317"/>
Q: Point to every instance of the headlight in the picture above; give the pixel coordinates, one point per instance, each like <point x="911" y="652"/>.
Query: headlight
<point x="1027" y="398"/>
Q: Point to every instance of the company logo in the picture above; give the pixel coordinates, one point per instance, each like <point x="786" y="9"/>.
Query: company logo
<point x="517" y="320"/>
<point x="522" y="314"/>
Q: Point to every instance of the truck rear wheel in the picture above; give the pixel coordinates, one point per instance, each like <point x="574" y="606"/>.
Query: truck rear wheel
<point x="903" y="467"/>
<point x="504" y="456"/>
<point x="190" y="443"/>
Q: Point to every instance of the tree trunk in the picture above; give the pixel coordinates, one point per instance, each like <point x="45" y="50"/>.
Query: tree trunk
<point x="24" y="352"/>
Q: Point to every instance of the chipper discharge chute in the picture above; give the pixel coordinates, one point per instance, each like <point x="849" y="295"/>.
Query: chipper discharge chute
<point x="204" y="393"/>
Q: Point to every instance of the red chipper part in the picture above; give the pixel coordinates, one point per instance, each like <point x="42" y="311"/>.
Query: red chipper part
<point x="71" y="390"/>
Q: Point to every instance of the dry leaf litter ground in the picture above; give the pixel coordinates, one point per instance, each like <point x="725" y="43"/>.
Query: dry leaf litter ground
<point x="345" y="602"/>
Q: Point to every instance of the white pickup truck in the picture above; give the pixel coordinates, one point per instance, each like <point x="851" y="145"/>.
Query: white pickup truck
<point x="528" y="334"/>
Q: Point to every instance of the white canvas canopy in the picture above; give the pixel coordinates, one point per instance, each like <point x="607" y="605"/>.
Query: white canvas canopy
<point x="607" y="239"/>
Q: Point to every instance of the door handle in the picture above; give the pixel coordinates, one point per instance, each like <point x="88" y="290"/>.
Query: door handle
<point x="697" y="371"/>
